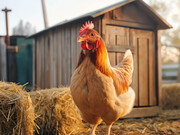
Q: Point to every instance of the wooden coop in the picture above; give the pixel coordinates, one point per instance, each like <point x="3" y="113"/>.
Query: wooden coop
<point x="130" y="24"/>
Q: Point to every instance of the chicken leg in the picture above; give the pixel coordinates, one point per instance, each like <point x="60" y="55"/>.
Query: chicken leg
<point x="109" y="129"/>
<point x="93" y="129"/>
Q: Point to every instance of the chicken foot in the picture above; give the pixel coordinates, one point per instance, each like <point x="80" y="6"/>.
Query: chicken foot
<point x="93" y="129"/>
<point x="109" y="129"/>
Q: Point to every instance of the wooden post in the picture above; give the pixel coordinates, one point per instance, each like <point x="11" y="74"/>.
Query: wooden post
<point x="159" y="68"/>
<point x="44" y="14"/>
<point x="7" y="31"/>
<point x="3" y="65"/>
<point x="11" y="53"/>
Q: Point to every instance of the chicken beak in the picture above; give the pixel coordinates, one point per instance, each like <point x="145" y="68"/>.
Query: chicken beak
<point x="81" y="39"/>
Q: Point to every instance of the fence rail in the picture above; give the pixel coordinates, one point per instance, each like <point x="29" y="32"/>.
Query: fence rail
<point x="170" y="73"/>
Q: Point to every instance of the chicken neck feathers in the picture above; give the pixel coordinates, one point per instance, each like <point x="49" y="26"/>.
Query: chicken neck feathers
<point x="121" y="74"/>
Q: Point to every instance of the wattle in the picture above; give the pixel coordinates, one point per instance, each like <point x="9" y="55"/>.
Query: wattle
<point x="89" y="46"/>
<point x="83" y="45"/>
<point x="86" y="45"/>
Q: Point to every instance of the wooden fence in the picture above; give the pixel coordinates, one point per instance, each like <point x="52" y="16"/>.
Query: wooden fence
<point x="171" y="68"/>
<point x="3" y="68"/>
<point x="170" y="73"/>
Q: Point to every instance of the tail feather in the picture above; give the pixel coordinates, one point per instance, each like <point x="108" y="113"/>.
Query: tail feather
<point x="123" y="73"/>
<point x="127" y="59"/>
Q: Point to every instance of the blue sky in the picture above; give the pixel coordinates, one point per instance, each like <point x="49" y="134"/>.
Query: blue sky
<point x="58" y="10"/>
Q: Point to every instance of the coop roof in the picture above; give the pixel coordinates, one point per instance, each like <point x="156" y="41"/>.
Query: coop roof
<point x="162" y="23"/>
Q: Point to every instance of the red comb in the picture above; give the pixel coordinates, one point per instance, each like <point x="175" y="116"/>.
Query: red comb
<point x="88" y="25"/>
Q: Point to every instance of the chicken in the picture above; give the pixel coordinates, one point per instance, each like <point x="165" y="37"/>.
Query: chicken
<point x="101" y="92"/>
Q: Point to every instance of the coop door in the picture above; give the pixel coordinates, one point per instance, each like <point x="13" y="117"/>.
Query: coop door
<point x="144" y="73"/>
<point x="118" y="40"/>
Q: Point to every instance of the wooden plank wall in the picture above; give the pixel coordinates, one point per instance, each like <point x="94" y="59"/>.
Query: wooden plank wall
<point x="117" y="42"/>
<point x="3" y="66"/>
<point x="56" y="56"/>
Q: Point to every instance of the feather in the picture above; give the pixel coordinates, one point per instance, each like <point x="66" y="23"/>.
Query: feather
<point x="123" y="73"/>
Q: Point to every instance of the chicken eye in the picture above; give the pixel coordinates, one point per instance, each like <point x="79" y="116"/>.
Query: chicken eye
<point x="92" y="34"/>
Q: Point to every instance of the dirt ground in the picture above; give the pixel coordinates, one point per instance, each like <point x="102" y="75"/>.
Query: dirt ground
<point x="167" y="123"/>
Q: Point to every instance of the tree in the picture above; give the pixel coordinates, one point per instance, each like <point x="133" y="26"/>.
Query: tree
<point x="170" y="10"/>
<point x="24" y="30"/>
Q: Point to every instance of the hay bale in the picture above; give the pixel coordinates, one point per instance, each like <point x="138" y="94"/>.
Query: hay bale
<point x="16" y="110"/>
<point x="56" y="112"/>
<point x="171" y="96"/>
